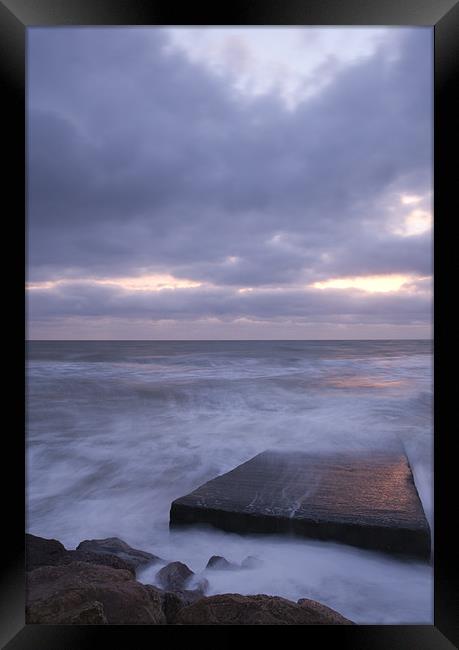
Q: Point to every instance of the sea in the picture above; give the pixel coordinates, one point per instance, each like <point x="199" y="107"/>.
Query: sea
<point x="116" y="430"/>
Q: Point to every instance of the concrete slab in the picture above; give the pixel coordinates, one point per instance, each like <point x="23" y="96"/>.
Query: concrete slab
<point x="363" y="499"/>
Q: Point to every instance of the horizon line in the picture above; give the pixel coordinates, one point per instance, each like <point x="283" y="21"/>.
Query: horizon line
<point x="217" y="340"/>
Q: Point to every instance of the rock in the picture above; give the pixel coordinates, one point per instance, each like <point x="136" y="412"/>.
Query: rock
<point x="174" y="576"/>
<point x="189" y="596"/>
<point x="173" y="601"/>
<point x="234" y="609"/>
<point x="99" y="558"/>
<point x="363" y="499"/>
<point x="220" y="563"/>
<point x="115" y="546"/>
<point x="88" y="614"/>
<point x="42" y="552"/>
<point x="251" y="562"/>
<point x="325" y="614"/>
<point x="82" y="591"/>
<point x="50" y="552"/>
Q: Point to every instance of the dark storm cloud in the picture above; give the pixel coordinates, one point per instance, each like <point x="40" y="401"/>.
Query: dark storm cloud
<point x="140" y="159"/>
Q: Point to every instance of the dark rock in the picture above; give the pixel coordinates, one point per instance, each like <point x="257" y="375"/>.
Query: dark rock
<point x="191" y="595"/>
<point x="173" y="601"/>
<point x="251" y="562"/>
<point x="367" y="500"/>
<point x="81" y="591"/>
<point x="88" y="614"/>
<point x="220" y="563"/>
<point x="319" y="611"/>
<point x="115" y="546"/>
<point x="234" y="609"/>
<point x="174" y="576"/>
<point x="42" y="552"/>
<point x="50" y="552"/>
<point x="99" y="558"/>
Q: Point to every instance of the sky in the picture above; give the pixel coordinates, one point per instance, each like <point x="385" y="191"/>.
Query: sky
<point x="229" y="183"/>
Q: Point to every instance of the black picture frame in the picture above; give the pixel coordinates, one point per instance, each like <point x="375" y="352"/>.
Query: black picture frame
<point x="443" y="16"/>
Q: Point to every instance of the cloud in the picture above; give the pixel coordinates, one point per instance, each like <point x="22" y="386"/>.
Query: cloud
<point x="142" y="161"/>
<point x="81" y="299"/>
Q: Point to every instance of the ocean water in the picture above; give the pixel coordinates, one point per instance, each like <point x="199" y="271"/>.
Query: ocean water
<point x="116" y="430"/>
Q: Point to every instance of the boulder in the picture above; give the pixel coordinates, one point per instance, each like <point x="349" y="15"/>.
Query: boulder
<point x="323" y="614"/>
<point x="93" y="593"/>
<point x="50" y="552"/>
<point x="174" y="576"/>
<point x="173" y="601"/>
<point x="99" y="558"/>
<point x="88" y="614"/>
<point x="115" y="546"/>
<point x="362" y="499"/>
<point x="234" y="609"/>
<point x="220" y="563"/>
<point x="42" y="552"/>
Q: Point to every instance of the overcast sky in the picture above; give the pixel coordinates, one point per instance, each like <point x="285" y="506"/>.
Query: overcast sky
<point x="224" y="183"/>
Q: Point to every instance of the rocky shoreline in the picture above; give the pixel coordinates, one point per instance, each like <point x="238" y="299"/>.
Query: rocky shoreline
<point x="95" y="584"/>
